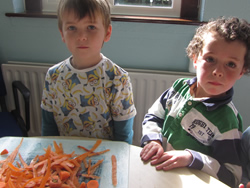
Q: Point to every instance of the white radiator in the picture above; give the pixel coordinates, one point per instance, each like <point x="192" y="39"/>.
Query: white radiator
<point x="147" y="87"/>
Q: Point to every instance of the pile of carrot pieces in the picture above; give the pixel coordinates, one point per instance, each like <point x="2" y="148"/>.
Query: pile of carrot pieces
<point x="52" y="169"/>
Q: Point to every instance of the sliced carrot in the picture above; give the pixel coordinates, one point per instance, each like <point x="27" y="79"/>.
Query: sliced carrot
<point x="83" y="185"/>
<point x="64" y="175"/>
<point x="53" y="169"/>
<point x="55" y="181"/>
<point x="4" y="152"/>
<point x="93" y="184"/>
<point x="114" y="170"/>
<point x="2" y="184"/>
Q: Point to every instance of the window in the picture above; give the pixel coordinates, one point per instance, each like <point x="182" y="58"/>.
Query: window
<point x="164" y="8"/>
<point x="50" y="5"/>
<point x="184" y="9"/>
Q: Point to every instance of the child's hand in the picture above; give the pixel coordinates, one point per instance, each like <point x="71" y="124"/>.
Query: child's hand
<point x="152" y="150"/>
<point x="173" y="159"/>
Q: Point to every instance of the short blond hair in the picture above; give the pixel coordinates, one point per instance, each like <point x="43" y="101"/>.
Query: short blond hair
<point x="82" y="8"/>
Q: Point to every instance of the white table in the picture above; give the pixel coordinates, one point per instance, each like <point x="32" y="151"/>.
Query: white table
<point x="143" y="175"/>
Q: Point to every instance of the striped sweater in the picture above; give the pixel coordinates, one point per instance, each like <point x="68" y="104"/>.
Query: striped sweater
<point x="210" y="128"/>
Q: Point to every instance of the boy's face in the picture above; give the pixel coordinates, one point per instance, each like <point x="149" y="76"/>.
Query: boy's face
<point x="218" y="66"/>
<point x="84" y="38"/>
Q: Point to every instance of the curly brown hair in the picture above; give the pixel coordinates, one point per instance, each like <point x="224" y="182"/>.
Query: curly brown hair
<point x="230" y="29"/>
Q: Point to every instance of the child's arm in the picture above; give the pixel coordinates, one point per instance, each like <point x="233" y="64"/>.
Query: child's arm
<point x="123" y="130"/>
<point x="227" y="172"/>
<point x="245" y="156"/>
<point x="49" y="126"/>
<point x="154" y="119"/>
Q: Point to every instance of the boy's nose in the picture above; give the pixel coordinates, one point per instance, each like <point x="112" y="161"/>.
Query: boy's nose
<point x="82" y="36"/>
<point x="218" y="73"/>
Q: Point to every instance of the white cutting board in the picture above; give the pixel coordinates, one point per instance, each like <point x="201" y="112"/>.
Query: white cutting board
<point x="32" y="146"/>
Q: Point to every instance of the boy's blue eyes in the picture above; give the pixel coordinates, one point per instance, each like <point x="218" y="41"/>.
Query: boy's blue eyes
<point x="72" y="28"/>
<point x="209" y="59"/>
<point x="91" y="27"/>
<point x="229" y="64"/>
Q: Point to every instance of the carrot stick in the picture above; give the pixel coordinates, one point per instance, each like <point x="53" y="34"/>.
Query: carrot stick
<point x="22" y="161"/>
<point x="33" y="179"/>
<point x="58" y="149"/>
<point x="63" y="164"/>
<point x="85" y="163"/>
<point x="98" y="153"/>
<point x="10" y="184"/>
<point x="46" y="177"/>
<point x="10" y="158"/>
<point x="61" y="147"/>
<point x="81" y="157"/>
<point x="75" y="162"/>
<point x="87" y="150"/>
<point x="89" y="166"/>
<point x="114" y="170"/>
<point x="12" y="167"/>
<point x="98" y="142"/>
<point x="93" y="168"/>
<point x="90" y="176"/>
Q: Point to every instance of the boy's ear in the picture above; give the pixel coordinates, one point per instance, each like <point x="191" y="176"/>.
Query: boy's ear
<point x="62" y="35"/>
<point x="194" y="59"/>
<point x="244" y="70"/>
<point x="108" y="34"/>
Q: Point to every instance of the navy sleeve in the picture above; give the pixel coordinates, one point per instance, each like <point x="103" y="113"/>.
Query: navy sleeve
<point x="49" y="126"/>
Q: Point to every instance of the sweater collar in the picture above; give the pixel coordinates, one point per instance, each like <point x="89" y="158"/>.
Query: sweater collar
<point x="213" y="103"/>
